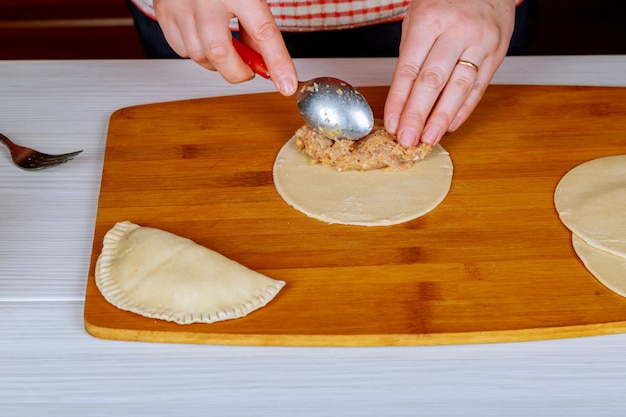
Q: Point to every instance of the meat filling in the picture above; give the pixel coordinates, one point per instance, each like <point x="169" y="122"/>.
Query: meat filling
<point x="377" y="150"/>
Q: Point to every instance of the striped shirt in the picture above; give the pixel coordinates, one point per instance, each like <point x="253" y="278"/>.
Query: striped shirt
<point x="316" y="15"/>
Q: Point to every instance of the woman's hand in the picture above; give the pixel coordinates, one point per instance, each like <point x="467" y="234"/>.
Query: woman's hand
<point x="198" y="29"/>
<point x="431" y="91"/>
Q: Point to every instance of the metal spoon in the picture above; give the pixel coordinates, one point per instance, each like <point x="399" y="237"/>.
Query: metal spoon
<point x="332" y="107"/>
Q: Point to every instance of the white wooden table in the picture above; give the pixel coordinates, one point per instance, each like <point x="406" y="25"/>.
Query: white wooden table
<point x="49" y="366"/>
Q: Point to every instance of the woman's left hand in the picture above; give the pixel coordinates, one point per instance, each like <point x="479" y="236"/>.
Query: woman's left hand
<point x="449" y="52"/>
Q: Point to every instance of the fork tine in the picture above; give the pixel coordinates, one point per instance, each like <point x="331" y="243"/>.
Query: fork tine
<point x="45" y="160"/>
<point x="31" y="159"/>
<point x="58" y="158"/>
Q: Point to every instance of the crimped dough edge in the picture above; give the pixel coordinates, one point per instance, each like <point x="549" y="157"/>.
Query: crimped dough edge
<point x="111" y="291"/>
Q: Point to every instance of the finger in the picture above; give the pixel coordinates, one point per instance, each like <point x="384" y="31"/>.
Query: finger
<point x="475" y="94"/>
<point x="407" y="69"/>
<point x="430" y="82"/>
<point x="260" y="32"/>
<point x="170" y="27"/>
<point x="211" y="46"/>
<point x="202" y="34"/>
<point x="450" y="101"/>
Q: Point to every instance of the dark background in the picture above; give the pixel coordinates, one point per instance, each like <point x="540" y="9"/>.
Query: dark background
<point x="102" y="29"/>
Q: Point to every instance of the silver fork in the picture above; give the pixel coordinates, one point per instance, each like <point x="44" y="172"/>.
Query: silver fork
<point x="31" y="159"/>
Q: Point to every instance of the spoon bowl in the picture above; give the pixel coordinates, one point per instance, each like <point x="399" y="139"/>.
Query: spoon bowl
<point x="332" y="107"/>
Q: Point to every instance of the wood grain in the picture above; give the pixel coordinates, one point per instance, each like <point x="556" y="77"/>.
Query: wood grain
<point x="492" y="263"/>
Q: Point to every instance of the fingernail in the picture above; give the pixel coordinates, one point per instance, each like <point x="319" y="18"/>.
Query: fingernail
<point x="286" y="85"/>
<point x="431" y="135"/>
<point x="407" y="137"/>
<point x="392" y="124"/>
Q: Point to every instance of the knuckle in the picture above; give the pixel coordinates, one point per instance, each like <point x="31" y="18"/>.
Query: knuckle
<point x="216" y="51"/>
<point x="441" y="118"/>
<point x="433" y="78"/>
<point x="415" y="116"/>
<point x="479" y="87"/>
<point x="196" y="55"/>
<point x="463" y="84"/>
<point x="265" y="31"/>
<point x="409" y="70"/>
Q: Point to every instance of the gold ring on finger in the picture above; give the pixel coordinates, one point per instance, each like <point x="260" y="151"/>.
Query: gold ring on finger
<point x="468" y="64"/>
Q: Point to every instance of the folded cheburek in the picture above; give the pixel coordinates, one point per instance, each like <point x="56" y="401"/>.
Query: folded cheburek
<point x="160" y="275"/>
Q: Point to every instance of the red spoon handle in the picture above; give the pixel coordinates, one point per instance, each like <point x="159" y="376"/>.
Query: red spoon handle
<point x="252" y="58"/>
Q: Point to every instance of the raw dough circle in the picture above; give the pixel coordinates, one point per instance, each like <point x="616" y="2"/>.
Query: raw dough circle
<point x="591" y="202"/>
<point x="609" y="269"/>
<point x="364" y="198"/>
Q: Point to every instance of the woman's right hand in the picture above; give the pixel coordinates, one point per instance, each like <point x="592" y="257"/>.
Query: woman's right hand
<point x="198" y="29"/>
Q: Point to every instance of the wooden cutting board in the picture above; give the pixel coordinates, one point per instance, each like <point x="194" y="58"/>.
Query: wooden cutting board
<point x="492" y="263"/>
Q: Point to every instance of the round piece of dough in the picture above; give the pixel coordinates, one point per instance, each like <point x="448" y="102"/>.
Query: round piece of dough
<point x="609" y="269"/>
<point x="591" y="202"/>
<point x="364" y="198"/>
